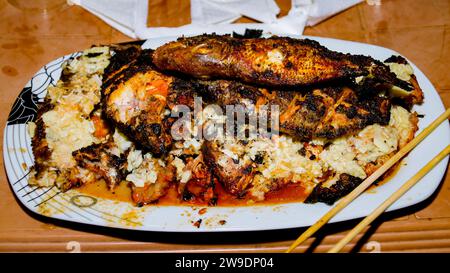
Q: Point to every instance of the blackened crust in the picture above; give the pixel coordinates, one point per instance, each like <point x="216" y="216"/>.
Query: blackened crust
<point x="100" y="160"/>
<point x="41" y="151"/>
<point x="328" y="112"/>
<point x="341" y="188"/>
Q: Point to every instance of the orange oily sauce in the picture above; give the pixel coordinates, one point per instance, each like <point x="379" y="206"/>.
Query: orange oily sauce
<point x="122" y="192"/>
<point x="391" y="173"/>
<point x="288" y="194"/>
<point x="99" y="189"/>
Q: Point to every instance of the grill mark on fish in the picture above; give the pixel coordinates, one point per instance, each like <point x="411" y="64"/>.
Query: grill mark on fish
<point x="329" y="112"/>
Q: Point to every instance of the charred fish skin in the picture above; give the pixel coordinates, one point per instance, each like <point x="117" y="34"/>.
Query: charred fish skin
<point x="41" y="151"/>
<point x="275" y="61"/>
<point x="348" y="112"/>
<point x="328" y="112"/>
<point x="124" y="55"/>
<point x="182" y="92"/>
<point x="125" y="63"/>
<point x="329" y="195"/>
<point x="136" y="87"/>
<point x="415" y="96"/>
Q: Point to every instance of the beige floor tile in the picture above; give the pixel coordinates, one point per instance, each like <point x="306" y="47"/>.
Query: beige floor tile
<point x="394" y="14"/>
<point x="67" y="20"/>
<point x="440" y="207"/>
<point x="348" y="20"/>
<point x="20" y="59"/>
<point x="423" y="46"/>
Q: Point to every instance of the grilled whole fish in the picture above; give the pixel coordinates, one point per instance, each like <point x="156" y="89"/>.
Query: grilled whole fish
<point x="275" y="61"/>
<point x="137" y="96"/>
<point x="326" y="112"/>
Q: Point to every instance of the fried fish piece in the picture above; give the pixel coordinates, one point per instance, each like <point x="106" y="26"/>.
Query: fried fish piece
<point x="328" y="195"/>
<point x="405" y="97"/>
<point x="151" y="192"/>
<point x="234" y="177"/>
<point x="125" y="55"/>
<point x="201" y="183"/>
<point x="135" y="99"/>
<point x="101" y="160"/>
<point x="275" y="61"/>
<point x="327" y="112"/>
<point x="346" y="112"/>
<point x="329" y="191"/>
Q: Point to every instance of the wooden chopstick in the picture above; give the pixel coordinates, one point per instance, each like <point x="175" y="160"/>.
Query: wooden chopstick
<point x="396" y="195"/>
<point x="368" y="181"/>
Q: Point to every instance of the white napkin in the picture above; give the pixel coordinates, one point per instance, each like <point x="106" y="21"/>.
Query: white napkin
<point x="120" y="14"/>
<point x="320" y="10"/>
<point x="226" y="11"/>
<point x="130" y="16"/>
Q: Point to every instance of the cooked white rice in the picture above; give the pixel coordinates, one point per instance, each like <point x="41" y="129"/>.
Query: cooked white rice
<point x="67" y="126"/>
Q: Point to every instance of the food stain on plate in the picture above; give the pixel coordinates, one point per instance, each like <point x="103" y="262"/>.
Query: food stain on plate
<point x="48" y="210"/>
<point x="216" y="220"/>
<point x="133" y="218"/>
<point x="278" y="208"/>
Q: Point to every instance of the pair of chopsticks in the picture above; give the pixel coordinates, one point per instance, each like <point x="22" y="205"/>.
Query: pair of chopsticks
<point x="372" y="178"/>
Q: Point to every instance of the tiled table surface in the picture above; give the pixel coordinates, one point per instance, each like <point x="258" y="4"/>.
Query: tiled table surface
<point x="418" y="29"/>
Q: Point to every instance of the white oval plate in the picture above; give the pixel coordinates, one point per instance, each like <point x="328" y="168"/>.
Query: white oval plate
<point x="75" y="207"/>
